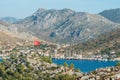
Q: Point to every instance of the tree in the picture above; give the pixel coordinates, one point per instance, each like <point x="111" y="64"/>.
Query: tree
<point x="46" y="59"/>
<point x="66" y="77"/>
<point x="65" y="64"/>
<point x="20" y="68"/>
<point x="71" y="66"/>
<point x="77" y="70"/>
<point x="117" y="64"/>
<point x="2" y="71"/>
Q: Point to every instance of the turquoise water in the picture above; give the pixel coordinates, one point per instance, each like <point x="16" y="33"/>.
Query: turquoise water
<point x="86" y="65"/>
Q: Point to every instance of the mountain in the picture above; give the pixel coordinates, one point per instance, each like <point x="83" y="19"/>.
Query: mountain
<point x="9" y="19"/>
<point x="9" y="40"/>
<point x="112" y="14"/>
<point x="105" y="42"/>
<point x="65" y="25"/>
<point x="10" y="35"/>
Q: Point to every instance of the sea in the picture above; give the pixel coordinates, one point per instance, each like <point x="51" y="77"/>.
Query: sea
<point x="86" y="66"/>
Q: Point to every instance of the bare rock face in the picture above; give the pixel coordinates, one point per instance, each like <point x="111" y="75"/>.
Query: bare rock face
<point x="65" y="25"/>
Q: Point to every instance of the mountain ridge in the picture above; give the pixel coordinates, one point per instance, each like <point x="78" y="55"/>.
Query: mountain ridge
<point x="66" y="25"/>
<point x="60" y="26"/>
<point x="11" y="20"/>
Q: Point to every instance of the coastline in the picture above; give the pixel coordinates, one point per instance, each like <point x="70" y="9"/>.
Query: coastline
<point x="91" y="59"/>
<point x="117" y="59"/>
<point x="85" y="65"/>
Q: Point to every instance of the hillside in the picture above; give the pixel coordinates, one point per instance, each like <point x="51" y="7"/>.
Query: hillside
<point x="11" y="30"/>
<point x="65" y="26"/>
<point x="9" y="40"/>
<point x="112" y="14"/>
<point x="25" y="63"/>
<point x="106" y="42"/>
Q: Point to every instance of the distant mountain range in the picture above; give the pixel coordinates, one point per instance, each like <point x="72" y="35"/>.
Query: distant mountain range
<point x="9" y="19"/>
<point x="63" y="26"/>
<point x="112" y="14"/>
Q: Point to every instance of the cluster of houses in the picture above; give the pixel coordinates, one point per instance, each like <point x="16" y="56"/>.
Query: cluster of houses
<point x="56" y="51"/>
<point x="109" y="73"/>
<point x="60" y="53"/>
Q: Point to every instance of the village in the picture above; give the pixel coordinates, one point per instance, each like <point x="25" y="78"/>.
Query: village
<point x="56" y="51"/>
<point x="59" y="52"/>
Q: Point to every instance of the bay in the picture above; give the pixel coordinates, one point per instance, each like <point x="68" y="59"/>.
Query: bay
<point x="86" y="65"/>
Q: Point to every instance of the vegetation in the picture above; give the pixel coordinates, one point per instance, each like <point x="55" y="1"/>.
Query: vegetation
<point x="118" y="64"/>
<point x="71" y="66"/>
<point x="65" y="64"/>
<point x="104" y="43"/>
<point x="65" y="77"/>
<point x="34" y="67"/>
<point x="77" y="70"/>
<point x="46" y="59"/>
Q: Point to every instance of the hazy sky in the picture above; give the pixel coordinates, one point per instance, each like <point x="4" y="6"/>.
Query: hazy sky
<point x="24" y="8"/>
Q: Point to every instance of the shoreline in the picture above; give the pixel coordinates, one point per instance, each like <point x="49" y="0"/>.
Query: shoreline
<point x="86" y="59"/>
<point x="117" y="59"/>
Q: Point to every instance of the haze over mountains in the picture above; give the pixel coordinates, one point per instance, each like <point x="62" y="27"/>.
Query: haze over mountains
<point x="65" y="26"/>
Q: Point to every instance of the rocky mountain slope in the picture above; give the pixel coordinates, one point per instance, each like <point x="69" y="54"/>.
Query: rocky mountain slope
<point x="65" y="26"/>
<point x="112" y="14"/>
<point x="105" y="43"/>
<point x="9" y="34"/>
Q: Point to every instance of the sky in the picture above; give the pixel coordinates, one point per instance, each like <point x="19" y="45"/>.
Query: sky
<point x="24" y="8"/>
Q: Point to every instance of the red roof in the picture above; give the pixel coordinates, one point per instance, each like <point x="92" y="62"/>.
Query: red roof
<point x="36" y="43"/>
